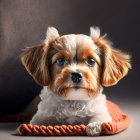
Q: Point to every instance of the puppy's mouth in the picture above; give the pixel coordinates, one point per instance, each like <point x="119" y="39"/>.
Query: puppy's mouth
<point x="84" y="88"/>
<point x="76" y="87"/>
<point x="63" y="92"/>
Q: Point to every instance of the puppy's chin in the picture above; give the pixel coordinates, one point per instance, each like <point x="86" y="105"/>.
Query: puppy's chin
<point x="77" y="94"/>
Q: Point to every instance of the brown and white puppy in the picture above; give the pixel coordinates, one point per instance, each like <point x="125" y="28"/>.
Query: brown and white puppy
<point x="72" y="70"/>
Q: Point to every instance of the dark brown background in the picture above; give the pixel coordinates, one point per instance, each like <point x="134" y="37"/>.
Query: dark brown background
<point x="24" y="23"/>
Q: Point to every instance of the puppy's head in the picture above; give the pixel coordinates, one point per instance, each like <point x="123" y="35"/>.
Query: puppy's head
<point x="75" y="66"/>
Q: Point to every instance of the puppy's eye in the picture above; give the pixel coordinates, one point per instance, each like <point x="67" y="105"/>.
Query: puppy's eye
<point x="90" y="61"/>
<point x="60" y="61"/>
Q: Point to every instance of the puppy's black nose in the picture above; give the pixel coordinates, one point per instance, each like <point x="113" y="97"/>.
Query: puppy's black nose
<point x="76" y="77"/>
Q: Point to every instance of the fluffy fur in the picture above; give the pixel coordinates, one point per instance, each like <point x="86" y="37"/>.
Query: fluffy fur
<point x="67" y="112"/>
<point x="62" y="100"/>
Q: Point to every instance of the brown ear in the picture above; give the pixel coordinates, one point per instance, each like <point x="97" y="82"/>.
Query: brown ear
<point x="115" y="63"/>
<point x="34" y="60"/>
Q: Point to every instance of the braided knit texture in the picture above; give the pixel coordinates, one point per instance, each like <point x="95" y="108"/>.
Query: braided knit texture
<point x="63" y="130"/>
<point x="120" y="121"/>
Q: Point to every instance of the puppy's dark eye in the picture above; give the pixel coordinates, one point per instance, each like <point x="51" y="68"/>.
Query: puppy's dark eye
<point x="90" y="61"/>
<point x="60" y="61"/>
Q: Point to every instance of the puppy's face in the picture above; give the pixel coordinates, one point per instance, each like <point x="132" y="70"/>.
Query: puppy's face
<point x="75" y="66"/>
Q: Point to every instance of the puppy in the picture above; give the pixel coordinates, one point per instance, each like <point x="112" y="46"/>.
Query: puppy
<point x="72" y="70"/>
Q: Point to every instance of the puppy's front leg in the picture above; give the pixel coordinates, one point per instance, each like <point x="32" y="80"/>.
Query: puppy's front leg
<point x="94" y="128"/>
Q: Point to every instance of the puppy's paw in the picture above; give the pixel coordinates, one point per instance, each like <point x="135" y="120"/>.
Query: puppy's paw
<point x="94" y="129"/>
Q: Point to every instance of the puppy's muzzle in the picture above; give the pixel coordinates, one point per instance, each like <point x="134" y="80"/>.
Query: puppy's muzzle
<point x="76" y="77"/>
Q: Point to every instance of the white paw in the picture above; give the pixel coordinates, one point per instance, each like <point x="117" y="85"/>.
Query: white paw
<point x="94" y="129"/>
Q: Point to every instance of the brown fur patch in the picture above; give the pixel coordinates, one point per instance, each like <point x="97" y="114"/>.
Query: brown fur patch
<point x="116" y="63"/>
<point x="92" y="84"/>
<point x="84" y="52"/>
<point x="61" y="53"/>
<point x="34" y="60"/>
<point x="60" y="83"/>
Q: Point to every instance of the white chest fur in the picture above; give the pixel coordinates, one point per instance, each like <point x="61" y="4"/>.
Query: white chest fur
<point x="67" y="111"/>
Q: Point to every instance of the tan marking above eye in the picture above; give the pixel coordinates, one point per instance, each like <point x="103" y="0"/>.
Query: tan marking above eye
<point x="61" y="53"/>
<point x="84" y="52"/>
<point x="92" y="55"/>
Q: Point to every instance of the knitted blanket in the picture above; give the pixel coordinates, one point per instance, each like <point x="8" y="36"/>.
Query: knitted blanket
<point x="120" y="121"/>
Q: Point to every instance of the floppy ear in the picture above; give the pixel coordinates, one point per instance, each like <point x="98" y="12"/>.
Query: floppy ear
<point x="115" y="62"/>
<point x="35" y="58"/>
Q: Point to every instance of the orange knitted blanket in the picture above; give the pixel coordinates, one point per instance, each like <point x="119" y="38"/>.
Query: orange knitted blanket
<point x="120" y="122"/>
